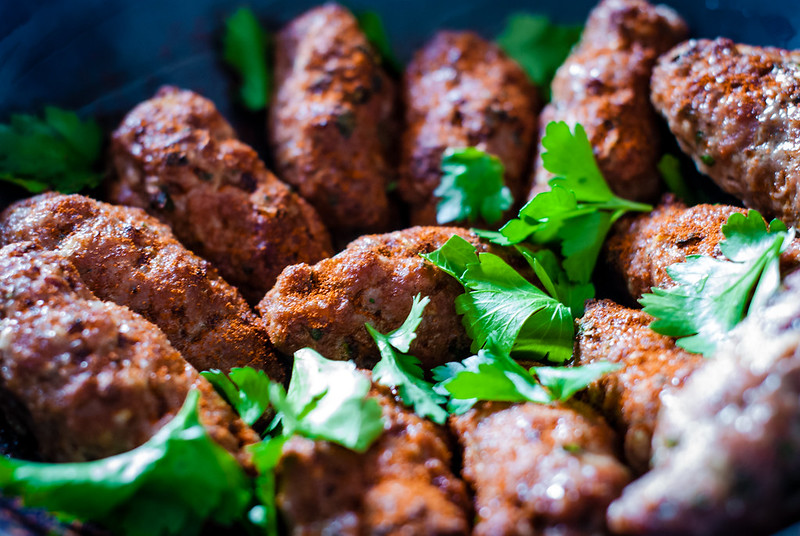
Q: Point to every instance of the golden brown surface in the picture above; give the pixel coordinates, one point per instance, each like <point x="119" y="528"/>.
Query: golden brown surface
<point x="402" y="485"/>
<point x="129" y="258"/>
<point x="96" y="378"/>
<point x="539" y="469"/>
<point x="176" y="157"/>
<point x="630" y="398"/>
<point x="374" y="280"/>
<point x="733" y="109"/>
<point x="640" y="248"/>
<point x="605" y="86"/>
<point x="460" y="90"/>
<point x="332" y="120"/>
<point x="726" y="447"/>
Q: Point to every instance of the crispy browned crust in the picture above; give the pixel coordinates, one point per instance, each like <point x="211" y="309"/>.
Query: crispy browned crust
<point x="460" y="90"/>
<point x="130" y="258"/>
<point x="539" y="469"/>
<point x="176" y="157"/>
<point x="630" y="397"/>
<point x="605" y="85"/>
<point x="96" y="378"/>
<point x="733" y="110"/>
<point x="375" y="279"/>
<point x="332" y="122"/>
<point x="642" y="247"/>
<point x="402" y="485"/>
<point x="726" y="447"/>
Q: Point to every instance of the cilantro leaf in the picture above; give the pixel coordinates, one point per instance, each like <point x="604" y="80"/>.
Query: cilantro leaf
<point x="471" y="187"/>
<point x="58" y="151"/>
<point x="563" y="382"/>
<point x="371" y="24"/>
<point x="245" y="46"/>
<point x="669" y="167"/>
<point x="538" y="45"/>
<point x="266" y="455"/>
<point x="328" y="400"/>
<point x="397" y="369"/>
<point x="153" y="489"/>
<point x="556" y="281"/>
<point x="246" y="389"/>
<point x="713" y="295"/>
<point x="503" y="310"/>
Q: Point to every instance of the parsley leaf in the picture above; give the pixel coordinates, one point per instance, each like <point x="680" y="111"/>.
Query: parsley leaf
<point x="669" y="167"/>
<point x="57" y="152"/>
<point x="265" y="458"/>
<point x="372" y="26"/>
<point x="538" y="45"/>
<point x="397" y="369"/>
<point x="328" y="400"/>
<point x="153" y="489"/>
<point x="555" y="280"/>
<point x="579" y="209"/>
<point x="246" y="389"/>
<point x="713" y="295"/>
<point x="245" y="46"/>
<point x="491" y="375"/>
<point x="471" y="187"/>
<point x="502" y="310"/>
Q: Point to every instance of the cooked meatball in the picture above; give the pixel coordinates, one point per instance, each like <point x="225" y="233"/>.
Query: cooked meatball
<point x="96" y="378"/>
<point x="733" y="109"/>
<point x="605" y="85"/>
<point x="460" y="90"/>
<point x="332" y="120"/>
<point x="726" y="447"/>
<point x="630" y="398"/>
<point x="129" y="258"/>
<point x="641" y="247"/>
<point x="373" y="280"/>
<point x="402" y="485"/>
<point x="177" y="158"/>
<point x="539" y="469"/>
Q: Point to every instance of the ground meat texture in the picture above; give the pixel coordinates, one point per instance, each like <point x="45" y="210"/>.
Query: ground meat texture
<point x="402" y="485"/>
<point x="652" y="364"/>
<point x="733" y="109"/>
<point x="129" y="258"/>
<point x="96" y="378"/>
<point x="460" y="90"/>
<point x="332" y="120"/>
<point x="539" y="469"/>
<point x="373" y="280"/>
<point x="177" y="158"/>
<point x="605" y="85"/>
<point x="727" y="446"/>
<point x="642" y="247"/>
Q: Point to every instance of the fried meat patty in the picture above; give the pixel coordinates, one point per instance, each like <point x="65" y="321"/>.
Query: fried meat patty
<point x="96" y="378"/>
<point x="539" y="469"/>
<point x="332" y="120"/>
<point x="131" y="259"/>
<point x="641" y="247"/>
<point x="652" y="364"/>
<point x="177" y="158"/>
<point x="375" y="279"/>
<point x="402" y="485"/>
<point x="733" y="109"/>
<point x="726" y="447"/>
<point x="460" y="90"/>
<point x="605" y="86"/>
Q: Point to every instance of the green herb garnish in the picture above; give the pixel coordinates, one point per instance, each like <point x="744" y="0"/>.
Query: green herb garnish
<point x="713" y="295"/>
<point x="58" y="152"/>
<point x="538" y="45"/>
<point x="398" y="369"/>
<point x="472" y="187"/>
<point x="266" y="456"/>
<point x="151" y="490"/>
<point x="245" y="46"/>
<point x="372" y="26"/>
<point x="246" y="389"/>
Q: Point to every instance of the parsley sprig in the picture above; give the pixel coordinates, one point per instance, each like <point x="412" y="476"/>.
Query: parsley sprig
<point x="713" y="295"/>
<point x="58" y="152"/>
<point x="402" y="371"/>
<point x="372" y="25"/>
<point x="245" y="48"/>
